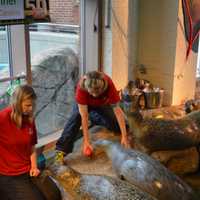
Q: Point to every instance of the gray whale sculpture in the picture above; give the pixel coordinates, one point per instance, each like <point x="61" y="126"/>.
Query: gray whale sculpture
<point x="165" y="134"/>
<point x="148" y="174"/>
<point x="78" y="186"/>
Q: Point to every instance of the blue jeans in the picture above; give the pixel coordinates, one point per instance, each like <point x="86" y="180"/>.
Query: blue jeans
<point x="101" y="115"/>
<point x="19" y="187"/>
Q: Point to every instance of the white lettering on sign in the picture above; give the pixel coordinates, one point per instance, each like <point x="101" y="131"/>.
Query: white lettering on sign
<point x="37" y="5"/>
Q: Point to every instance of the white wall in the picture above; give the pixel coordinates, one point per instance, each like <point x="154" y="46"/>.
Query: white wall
<point x="157" y="42"/>
<point x="133" y="36"/>
<point x="107" y="41"/>
<point x="184" y="70"/>
<point x="125" y="32"/>
<point x="120" y="43"/>
<point x="198" y="59"/>
<point x="89" y="38"/>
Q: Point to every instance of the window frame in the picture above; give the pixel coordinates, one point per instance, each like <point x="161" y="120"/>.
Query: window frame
<point x="88" y="61"/>
<point x="12" y="58"/>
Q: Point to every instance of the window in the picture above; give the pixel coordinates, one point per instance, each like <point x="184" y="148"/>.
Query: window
<point x="4" y="65"/>
<point x="4" y="53"/>
<point x="54" y="50"/>
<point x="11" y="76"/>
<point x="53" y="64"/>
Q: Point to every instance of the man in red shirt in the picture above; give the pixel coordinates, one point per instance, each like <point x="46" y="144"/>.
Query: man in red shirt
<point x="97" y="99"/>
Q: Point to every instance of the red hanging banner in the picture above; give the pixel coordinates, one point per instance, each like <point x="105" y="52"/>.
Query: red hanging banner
<point x="191" y="13"/>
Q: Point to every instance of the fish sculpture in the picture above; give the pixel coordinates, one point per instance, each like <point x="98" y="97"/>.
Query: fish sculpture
<point x="146" y="173"/>
<point x="77" y="186"/>
<point x="165" y="134"/>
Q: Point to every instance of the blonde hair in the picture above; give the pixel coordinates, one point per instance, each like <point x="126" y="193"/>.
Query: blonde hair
<point x="20" y="94"/>
<point x="94" y="81"/>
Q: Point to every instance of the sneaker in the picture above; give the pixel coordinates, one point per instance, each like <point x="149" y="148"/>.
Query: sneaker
<point x="59" y="157"/>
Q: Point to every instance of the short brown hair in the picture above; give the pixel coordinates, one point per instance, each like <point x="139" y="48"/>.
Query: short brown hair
<point x="94" y="80"/>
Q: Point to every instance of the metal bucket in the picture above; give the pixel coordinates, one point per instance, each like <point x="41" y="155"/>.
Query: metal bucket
<point x="130" y="103"/>
<point x="152" y="99"/>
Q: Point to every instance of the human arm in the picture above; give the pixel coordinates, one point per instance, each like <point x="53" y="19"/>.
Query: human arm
<point x="83" y="110"/>
<point x="34" y="171"/>
<point x="121" y="121"/>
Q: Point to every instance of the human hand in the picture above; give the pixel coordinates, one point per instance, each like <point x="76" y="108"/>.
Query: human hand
<point x="34" y="172"/>
<point x="87" y="149"/>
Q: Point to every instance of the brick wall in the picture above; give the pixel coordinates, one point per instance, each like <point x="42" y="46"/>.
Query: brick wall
<point x="64" y="11"/>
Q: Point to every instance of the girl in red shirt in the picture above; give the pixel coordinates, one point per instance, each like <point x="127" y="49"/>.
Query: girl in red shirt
<point x="18" y="160"/>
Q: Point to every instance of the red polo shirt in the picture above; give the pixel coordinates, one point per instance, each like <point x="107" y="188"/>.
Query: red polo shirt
<point x="15" y="145"/>
<point x="110" y="96"/>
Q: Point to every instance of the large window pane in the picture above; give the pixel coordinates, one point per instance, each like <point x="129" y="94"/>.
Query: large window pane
<point x="12" y="61"/>
<point x="54" y="51"/>
<point x="4" y="97"/>
<point x="48" y="36"/>
<point x="4" y="66"/>
<point x="7" y="88"/>
<point x="4" y="53"/>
